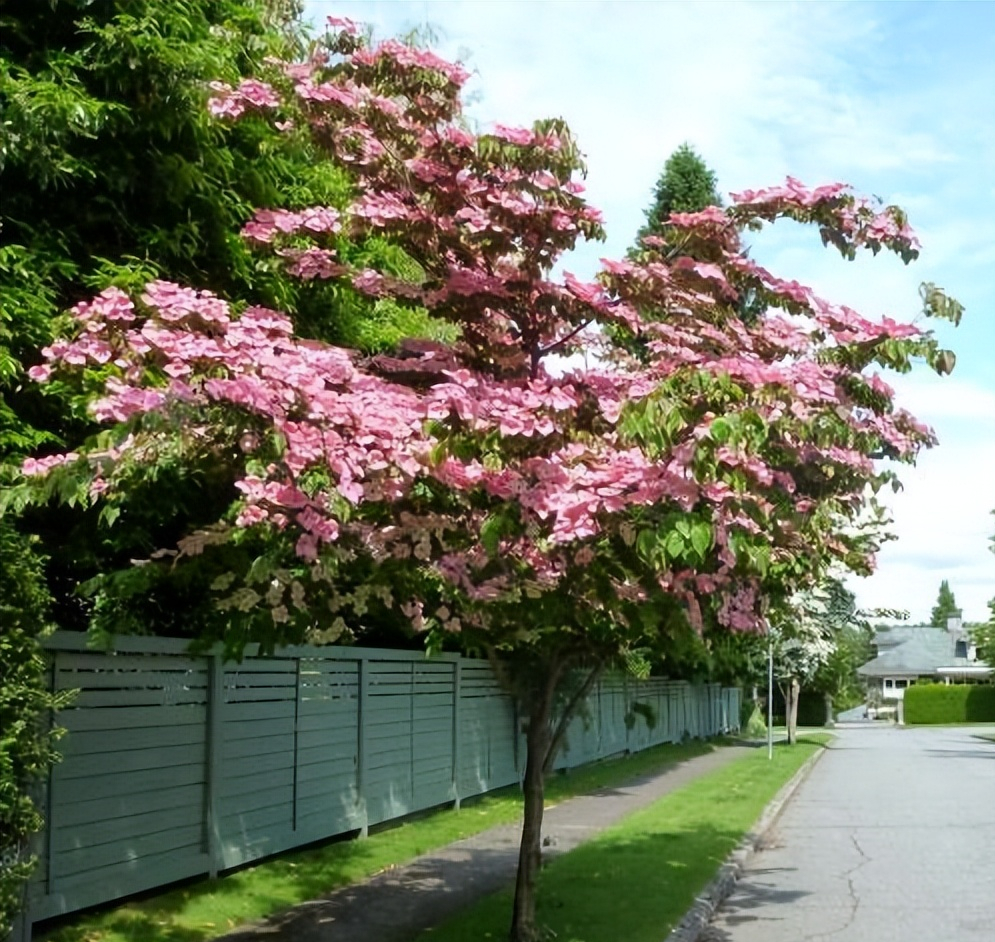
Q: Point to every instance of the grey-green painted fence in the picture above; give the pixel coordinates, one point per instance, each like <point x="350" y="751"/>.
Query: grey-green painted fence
<point x="177" y="765"/>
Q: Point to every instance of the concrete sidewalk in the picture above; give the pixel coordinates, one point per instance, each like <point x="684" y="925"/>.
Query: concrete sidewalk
<point x="396" y="905"/>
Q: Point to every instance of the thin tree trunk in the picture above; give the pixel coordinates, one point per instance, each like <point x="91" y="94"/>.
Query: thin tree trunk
<point x="538" y="739"/>
<point x="791" y="710"/>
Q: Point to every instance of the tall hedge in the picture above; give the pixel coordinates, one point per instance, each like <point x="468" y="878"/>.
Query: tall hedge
<point x="953" y="703"/>
<point x="27" y="737"/>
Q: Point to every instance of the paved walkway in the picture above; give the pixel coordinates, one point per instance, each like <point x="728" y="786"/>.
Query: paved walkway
<point x="892" y="837"/>
<point x="396" y="905"/>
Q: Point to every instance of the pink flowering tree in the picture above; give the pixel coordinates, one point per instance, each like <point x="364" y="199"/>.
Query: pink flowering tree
<point x="562" y="519"/>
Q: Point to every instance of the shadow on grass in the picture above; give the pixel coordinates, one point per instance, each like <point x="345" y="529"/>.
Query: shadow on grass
<point x="635" y="888"/>
<point x="204" y="909"/>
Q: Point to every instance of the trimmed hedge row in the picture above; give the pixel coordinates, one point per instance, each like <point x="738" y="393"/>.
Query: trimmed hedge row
<point x="953" y="703"/>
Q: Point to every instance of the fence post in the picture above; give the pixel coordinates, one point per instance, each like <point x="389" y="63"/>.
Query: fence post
<point x="457" y="682"/>
<point x="215" y="704"/>
<point x="298" y="691"/>
<point x="362" y="743"/>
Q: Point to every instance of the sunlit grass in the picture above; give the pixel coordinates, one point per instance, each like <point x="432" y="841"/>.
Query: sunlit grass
<point x="202" y="910"/>
<point x="636" y="880"/>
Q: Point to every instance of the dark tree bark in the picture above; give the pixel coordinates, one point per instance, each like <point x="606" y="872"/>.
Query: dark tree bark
<point x="538" y="739"/>
<point x="546" y="729"/>
<point x="792" y="693"/>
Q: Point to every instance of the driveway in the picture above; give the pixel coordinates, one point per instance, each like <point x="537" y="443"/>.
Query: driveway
<point x="891" y="838"/>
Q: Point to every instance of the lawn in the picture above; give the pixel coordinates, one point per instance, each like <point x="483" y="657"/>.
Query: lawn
<point x="195" y="912"/>
<point x="636" y="880"/>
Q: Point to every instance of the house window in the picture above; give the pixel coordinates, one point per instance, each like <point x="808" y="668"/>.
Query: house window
<point x="901" y="684"/>
<point x="888" y="683"/>
<point x="960" y="649"/>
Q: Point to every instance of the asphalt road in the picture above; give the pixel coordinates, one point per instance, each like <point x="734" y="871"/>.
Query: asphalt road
<point x="892" y="837"/>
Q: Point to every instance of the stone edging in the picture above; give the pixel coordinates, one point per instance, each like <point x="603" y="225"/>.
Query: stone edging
<point x="697" y="918"/>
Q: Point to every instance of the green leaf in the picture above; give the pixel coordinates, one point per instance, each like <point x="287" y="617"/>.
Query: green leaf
<point x="491" y="531"/>
<point x="720" y="430"/>
<point x="944" y="362"/>
<point x="674" y="544"/>
<point x="701" y="537"/>
<point x="646" y="545"/>
<point x="109" y="513"/>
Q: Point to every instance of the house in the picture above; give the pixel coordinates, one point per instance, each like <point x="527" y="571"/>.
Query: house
<point x="907" y="655"/>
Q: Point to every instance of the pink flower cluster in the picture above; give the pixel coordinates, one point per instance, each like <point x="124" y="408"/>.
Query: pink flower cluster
<point x="267" y="224"/>
<point x="250" y="94"/>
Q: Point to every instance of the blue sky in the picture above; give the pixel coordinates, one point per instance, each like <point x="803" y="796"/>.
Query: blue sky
<point x="897" y="99"/>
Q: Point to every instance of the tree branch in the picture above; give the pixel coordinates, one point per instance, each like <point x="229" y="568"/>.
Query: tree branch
<point x="568" y="711"/>
<point x="553" y="347"/>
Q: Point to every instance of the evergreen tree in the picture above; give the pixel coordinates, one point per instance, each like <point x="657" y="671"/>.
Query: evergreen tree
<point x="686" y="185"/>
<point x="946" y="606"/>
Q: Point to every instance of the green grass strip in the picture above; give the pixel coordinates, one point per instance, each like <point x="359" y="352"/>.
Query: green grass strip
<point x="635" y="881"/>
<point x="196" y="912"/>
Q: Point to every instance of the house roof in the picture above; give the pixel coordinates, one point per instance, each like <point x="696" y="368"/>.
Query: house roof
<point x="915" y="651"/>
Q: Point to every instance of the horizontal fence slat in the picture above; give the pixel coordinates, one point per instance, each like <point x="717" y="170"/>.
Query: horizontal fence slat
<point x="139" y="696"/>
<point x="131" y="760"/>
<point x="129" y="679"/>
<point x="112" y="743"/>
<point x="112" y="785"/>
<point x="119" y="831"/>
<point x="154" y="846"/>
<point x="103" y="809"/>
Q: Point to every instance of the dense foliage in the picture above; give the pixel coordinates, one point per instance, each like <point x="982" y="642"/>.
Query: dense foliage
<point x="115" y="173"/>
<point x="27" y="736"/>
<point x="950" y="703"/>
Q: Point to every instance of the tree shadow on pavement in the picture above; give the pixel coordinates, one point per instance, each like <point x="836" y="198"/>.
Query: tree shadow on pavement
<point x="980" y="753"/>
<point x="755" y="891"/>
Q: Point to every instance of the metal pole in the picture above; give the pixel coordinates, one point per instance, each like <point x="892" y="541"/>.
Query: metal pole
<point x="770" y="700"/>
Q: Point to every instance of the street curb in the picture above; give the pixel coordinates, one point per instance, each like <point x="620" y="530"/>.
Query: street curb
<point x="697" y="918"/>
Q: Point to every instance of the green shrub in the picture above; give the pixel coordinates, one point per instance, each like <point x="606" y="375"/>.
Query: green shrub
<point x="954" y="703"/>
<point x="26" y="738"/>
<point x="755" y="727"/>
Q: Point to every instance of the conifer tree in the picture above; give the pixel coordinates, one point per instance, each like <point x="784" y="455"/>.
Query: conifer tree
<point x="946" y="606"/>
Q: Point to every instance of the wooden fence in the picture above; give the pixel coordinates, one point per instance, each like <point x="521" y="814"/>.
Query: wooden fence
<point x="178" y="765"/>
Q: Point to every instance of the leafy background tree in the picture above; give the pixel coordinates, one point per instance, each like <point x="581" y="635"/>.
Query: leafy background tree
<point x="114" y="172"/>
<point x="984" y="635"/>
<point x="946" y="606"/>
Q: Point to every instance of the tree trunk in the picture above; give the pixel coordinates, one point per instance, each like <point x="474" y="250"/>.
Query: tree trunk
<point x="538" y="738"/>
<point x="791" y="709"/>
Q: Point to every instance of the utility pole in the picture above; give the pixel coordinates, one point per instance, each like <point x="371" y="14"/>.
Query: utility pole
<point x="770" y="698"/>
